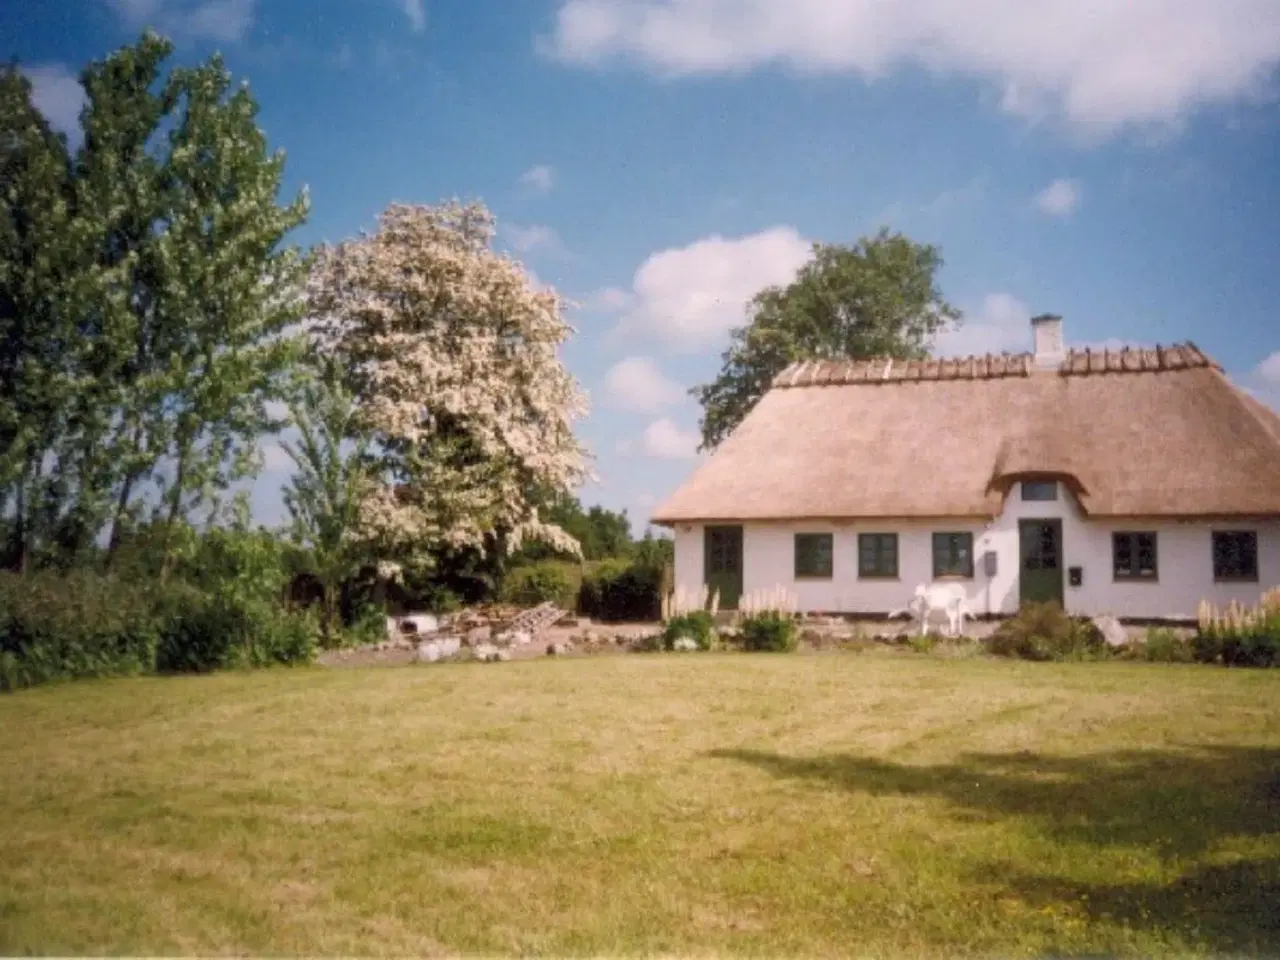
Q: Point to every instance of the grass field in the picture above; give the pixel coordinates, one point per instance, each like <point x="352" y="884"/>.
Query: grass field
<point x="704" y="804"/>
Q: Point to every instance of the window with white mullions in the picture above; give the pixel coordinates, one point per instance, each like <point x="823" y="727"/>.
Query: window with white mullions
<point x="1133" y="555"/>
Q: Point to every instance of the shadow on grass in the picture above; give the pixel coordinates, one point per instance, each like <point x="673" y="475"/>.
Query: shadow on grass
<point x="1231" y="908"/>
<point x="1176" y="805"/>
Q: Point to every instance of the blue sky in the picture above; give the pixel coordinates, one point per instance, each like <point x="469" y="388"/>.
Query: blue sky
<point x="658" y="161"/>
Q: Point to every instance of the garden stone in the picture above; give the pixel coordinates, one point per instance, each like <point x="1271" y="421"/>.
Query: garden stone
<point x="684" y="645"/>
<point x="502" y="656"/>
<point x="558" y="649"/>
<point x="486" y="652"/>
<point x="1112" y="630"/>
<point x="518" y="638"/>
<point x="429" y="652"/>
<point x="480" y="634"/>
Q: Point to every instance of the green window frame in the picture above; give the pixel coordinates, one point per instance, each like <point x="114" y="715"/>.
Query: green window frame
<point x="877" y="556"/>
<point x="953" y="554"/>
<point x="1134" y="555"/>
<point x="815" y="555"/>
<point x="1235" y="556"/>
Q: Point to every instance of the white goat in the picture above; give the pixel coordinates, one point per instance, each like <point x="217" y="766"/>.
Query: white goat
<point x="945" y="598"/>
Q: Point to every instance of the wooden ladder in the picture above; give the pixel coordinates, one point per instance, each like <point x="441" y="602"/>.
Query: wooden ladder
<point x="534" y="621"/>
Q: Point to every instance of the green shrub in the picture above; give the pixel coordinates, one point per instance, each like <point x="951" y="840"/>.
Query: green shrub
<point x="1206" y="646"/>
<point x="368" y="626"/>
<point x="1044" y="631"/>
<point x="1162" y="645"/>
<point x="1257" y="645"/>
<point x="63" y="626"/>
<point x="443" y="600"/>
<point x="80" y="624"/>
<point x="618" y="590"/>
<point x="1247" y="644"/>
<point x="698" y="626"/>
<point x="202" y="633"/>
<point x="922" y="643"/>
<point x="771" y="632"/>
<point x="546" y="580"/>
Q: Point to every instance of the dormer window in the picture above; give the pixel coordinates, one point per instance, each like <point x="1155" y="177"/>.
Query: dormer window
<point x="1039" y="490"/>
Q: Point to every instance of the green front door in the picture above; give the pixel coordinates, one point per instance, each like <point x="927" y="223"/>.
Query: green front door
<point x="722" y="564"/>
<point x="1040" y="569"/>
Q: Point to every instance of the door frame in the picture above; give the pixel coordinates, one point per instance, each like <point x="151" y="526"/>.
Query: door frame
<point x="1056" y="523"/>
<point x="740" y="538"/>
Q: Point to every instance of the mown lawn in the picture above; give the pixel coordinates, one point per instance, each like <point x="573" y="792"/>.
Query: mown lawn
<point x="700" y="804"/>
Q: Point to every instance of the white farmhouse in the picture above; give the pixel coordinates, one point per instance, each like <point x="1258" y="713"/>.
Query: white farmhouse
<point x="1133" y="482"/>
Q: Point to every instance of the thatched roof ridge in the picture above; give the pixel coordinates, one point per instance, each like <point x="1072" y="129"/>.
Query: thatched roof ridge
<point x="814" y="373"/>
<point x="1135" y="432"/>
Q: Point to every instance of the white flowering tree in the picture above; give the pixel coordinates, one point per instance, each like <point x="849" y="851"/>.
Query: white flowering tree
<point x="452" y="355"/>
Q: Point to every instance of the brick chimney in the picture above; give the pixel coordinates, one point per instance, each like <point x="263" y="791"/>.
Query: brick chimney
<point x="1046" y="332"/>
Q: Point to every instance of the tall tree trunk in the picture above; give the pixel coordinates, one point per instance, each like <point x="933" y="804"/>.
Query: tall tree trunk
<point x="122" y="502"/>
<point x="330" y="603"/>
<point x="175" y="507"/>
<point x="117" y="520"/>
<point x="21" y="532"/>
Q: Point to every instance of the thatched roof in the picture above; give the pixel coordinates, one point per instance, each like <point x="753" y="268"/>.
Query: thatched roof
<point x="1133" y="432"/>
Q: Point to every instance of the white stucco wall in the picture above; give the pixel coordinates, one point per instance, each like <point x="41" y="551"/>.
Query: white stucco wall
<point x="1184" y="561"/>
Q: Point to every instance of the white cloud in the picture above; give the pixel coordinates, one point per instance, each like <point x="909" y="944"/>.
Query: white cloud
<point x="636" y="384"/>
<point x="533" y="237"/>
<point x="1002" y="323"/>
<point x="970" y="193"/>
<point x="689" y="297"/>
<point x="1269" y="370"/>
<point x="541" y="178"/>
<point x="1100" y="65"/>
<point x="226" y="21"/>
<point x="1263" y="381"/>
<point x="416" y="12"/>
<point x="664" y="440"/>
<point x="1059" y="199"/>
<point x="56" y="93"/>
<point x="608" y="300"/>
<point x="1111" y="343"/>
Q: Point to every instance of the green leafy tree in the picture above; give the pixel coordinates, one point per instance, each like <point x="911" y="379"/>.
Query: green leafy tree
<point x="879" y="297"/>
<point x="37" y="256"/>
<point x="115" y="435"/>
<point x="324" y="496"/>
<point x="600" y="533"/>
<point x="231" y="291"/>
<point x="181" y="300"/>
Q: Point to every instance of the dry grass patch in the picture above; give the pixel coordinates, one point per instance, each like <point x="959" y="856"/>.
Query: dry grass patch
<point x="703" y="804"/>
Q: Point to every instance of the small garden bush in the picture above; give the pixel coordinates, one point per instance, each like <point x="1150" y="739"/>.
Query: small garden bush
<point x="1162" y="645"/>
<point x="551" y="581"/>
<point x="1240" y="637"/>
<point x="203" y="633"/>
<point x="922" y="643"/>
<point x="1043" y="632"/>
<point x="1255" y="647"/>
<point x="697" y="625"/>
<point x="769" y="631"/>
<point x="621" y="590"/>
